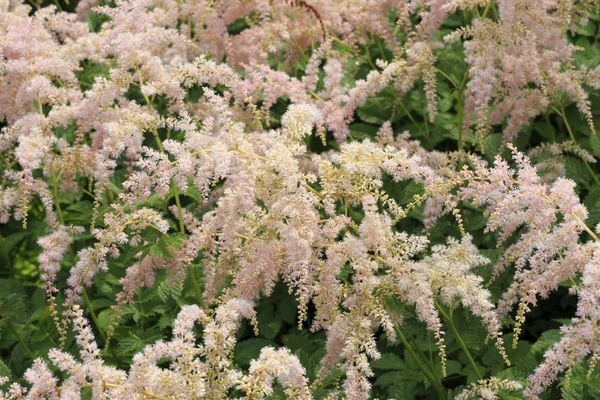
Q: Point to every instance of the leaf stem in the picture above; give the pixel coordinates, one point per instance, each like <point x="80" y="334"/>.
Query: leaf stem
<point x="12" y="329"/>
<point x="448" y="78"/>
<point x="460" y="340"/>
<point x="55" y="195"/>
<point x="162" y="150"/>
<point x="311" y="189"/>
<point x="88" y="305"/>
<point x="196" y="287"/>
<point x="461" y="111"/>
<point x="437" y="386"/>
<point x="563" y="115"/>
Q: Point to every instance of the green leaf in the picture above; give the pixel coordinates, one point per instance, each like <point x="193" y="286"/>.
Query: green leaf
<point x="13" y="307"/>
<point x="452" y="367"/>
<point x="269" y="322"/>
<point x="576" y="170"/>
<point x="79" y="212"/>
<point x="588" y="29"/>
<point x="4" y="370"/>
<point x="131" y="344"/>
<point x="237" y="26"/>
<point x="12" y="240"/>
<point x="101" y="303"/>
<point x="298" y="341"/>
<point x="90" y="71"/>
<point x="166" y="245"/>
<point x="193" y="192"/>
<point x="392" y="377"/>
<point x="592" y="202"/>
<point x="389" y="361"/>
<point x="18" y="357"/>
<point x="380" y="109"/>
<point x="546" y="341"/>
<point x="248" y="350"/>
<point x="131" y="309"/>
<point x="491" y="145"/>
<point x="595" y="145"/>
<point x="412" y="189"/>
<point x="545" y="129"/>
<point x="166" y="292"/>
<point x="104" y="317"/>
<point x="360" y="131"/>
<point x="580" y="388"/>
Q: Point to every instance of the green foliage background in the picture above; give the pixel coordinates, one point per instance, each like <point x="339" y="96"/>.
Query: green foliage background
<point x="27" y="329"/>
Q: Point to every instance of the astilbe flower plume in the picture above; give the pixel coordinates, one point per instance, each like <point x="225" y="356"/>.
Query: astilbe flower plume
<point x="195" y="372"/>
<point x="271" y="209"/>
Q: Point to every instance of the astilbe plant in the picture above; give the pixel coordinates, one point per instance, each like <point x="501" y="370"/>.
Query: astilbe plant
<point x="199" y="144"/>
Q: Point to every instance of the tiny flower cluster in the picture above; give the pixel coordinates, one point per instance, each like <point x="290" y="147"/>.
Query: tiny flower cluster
<point x="201" y="122"/>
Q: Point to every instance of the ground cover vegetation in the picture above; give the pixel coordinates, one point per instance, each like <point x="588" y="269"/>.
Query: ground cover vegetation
<point x="299" y="199"/>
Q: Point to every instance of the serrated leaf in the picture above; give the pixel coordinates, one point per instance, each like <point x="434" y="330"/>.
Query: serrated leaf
<point x="581" y="388"/>
<point x="269" y="323"/>
<point x="545" y="129"/>
<point x="193" y="192"/>
<point x="166" y="292"/>
<point x="595" y="145"/>
<point x="392" y="377"/>
<point x="4" y="370"/>
<point x="165" y="321"/>
<point x="131" y="344"/>
<point x="101" y="303"/>
<point x="491" y="145"/>
<point x="166" y="245"/>
<point x="298" y="341"/>
<point x="378" y="109"/>
<point x="592" y="202"/>
<point x="389" y="361"/>
<point x="412" y="189"/>
<point x="12" y="240"/>
<point x="403" y="390"/>
<point x="576" y="170"/>
<point x="17" y="356"/>
<point x="104" y="317"/>
<point x="545" y="341"/>
<point x="248" y="350"/>
<point x="360" y="131"/>
<point x="13" y="307"/>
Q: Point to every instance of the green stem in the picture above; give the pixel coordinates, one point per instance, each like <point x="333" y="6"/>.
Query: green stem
<point x="12" y="329"/>
<point x="173" y="185"/>
<point x="369" y="57"/>
<point x="461" y="108"/>
<point x="196" y="287"/>
<point x="380" y="49"/>
<point x="176" y="194"/>
<point x="57" y="4"/>
<point x="460" y="340"/>
<point x="179" y="209"/>
<point x="88" y="304"/>
<point x="429" y="364"/>
<point x="563" y="115"/>
<point x="56" y="202"/>
<point x="162" y="150"/>
<point x="315" y="191"/>
<point x="437" y="386"/>
<point x="487" y="9"/>
<point x="410" y="117"/>
<point x="109" y="195"/>
<point x="448" y="78"/>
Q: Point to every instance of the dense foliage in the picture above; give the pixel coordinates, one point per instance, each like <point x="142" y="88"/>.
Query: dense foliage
<point x="297" y="199"/>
